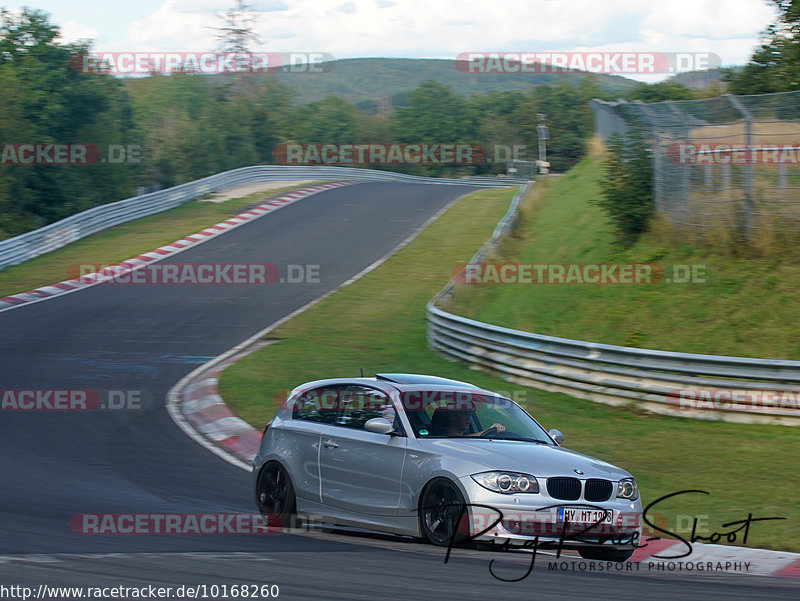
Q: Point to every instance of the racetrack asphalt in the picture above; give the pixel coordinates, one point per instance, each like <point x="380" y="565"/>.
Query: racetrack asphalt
<point x="144" y="338"/>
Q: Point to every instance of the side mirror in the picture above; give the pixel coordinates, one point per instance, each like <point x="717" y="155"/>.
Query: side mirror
<point x="556" y="435"/>
<point x="379" y="425"/>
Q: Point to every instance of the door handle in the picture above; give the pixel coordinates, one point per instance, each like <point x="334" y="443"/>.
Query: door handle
<point x="330" y="444"/>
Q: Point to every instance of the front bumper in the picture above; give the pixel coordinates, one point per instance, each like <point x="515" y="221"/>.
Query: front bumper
<point x="528" y="517"/>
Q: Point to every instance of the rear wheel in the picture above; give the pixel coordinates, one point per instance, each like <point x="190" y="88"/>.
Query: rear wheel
<point x="275" y="495"/>
<point x="605" y="554"/>
<point x="443" y="516"/>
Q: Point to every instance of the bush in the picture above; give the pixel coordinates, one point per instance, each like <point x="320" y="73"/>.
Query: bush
<point x="627" y="188"/>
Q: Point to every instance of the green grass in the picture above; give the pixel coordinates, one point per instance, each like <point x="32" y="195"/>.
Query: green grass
<point x="378" y="323"/>
<point x="745" y="307"/>
<point x="124" y="241"/>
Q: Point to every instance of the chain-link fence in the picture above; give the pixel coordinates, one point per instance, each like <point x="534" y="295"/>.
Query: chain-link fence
<point x="522" y="169"/>
<point x="725" y="163"/>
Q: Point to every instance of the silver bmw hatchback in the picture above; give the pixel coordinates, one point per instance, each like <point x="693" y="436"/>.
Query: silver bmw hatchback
<point x="443" y="460"/>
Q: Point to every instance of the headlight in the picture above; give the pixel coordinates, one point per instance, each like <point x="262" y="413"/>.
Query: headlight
<point x="507" y="482"/>
<point x="627" y="489"/>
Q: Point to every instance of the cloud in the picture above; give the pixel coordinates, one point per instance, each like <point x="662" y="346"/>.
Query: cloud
<point x="197" y="6"/>
<point x="267" y="6"/>
<point x="446" y="28"/>
<point x="217" y="6"/>
<point x="72" y="31"/>
<point x="706" y="19"/>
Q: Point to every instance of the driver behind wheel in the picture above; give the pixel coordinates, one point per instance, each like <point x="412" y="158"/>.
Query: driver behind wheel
<point x="449" y="421"/>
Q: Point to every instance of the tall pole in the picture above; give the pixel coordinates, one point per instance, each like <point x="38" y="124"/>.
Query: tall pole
<point x="543" y="134"/>
<point x="748" y="168"/>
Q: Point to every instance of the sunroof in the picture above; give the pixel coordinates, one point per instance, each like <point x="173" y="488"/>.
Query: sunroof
<point x="421" y="379"/>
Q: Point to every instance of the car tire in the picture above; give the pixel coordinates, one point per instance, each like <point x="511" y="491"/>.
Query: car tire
<point x="441" y="505"/>
<point x="605" y="554"/>
<point x="275" y="495"/>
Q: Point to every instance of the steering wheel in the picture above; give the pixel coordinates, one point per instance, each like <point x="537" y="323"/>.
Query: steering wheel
<point x="489" y="432"/>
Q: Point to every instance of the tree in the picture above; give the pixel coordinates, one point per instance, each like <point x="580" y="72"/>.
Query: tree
<point x="269" y="113"/>
<point x="30" y="32"/>
<point x="663" y="90"/>
<point x="44" y="101"/>
<point x="499" y="127"/>
<point x="16" y="199"/>
<point x="627" y="187"/>
<point x="236" y="31"/>
<point x="331" y="120"/>
<point x="569" y="119"/>
<point x="775" y="65"/>
<point x="435" y="113"/>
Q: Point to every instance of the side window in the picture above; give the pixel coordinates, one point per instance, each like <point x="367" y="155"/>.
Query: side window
<point x="319" y="405"/>
<point x="360" y="404"/>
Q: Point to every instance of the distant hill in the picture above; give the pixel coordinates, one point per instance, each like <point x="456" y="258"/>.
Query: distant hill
<point x="371" y="83"/>
<point x="701" y="79"/>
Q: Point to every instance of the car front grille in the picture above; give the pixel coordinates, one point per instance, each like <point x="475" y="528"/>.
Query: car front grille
<point x="566" y="489"/>
<point x="597" y="490"/>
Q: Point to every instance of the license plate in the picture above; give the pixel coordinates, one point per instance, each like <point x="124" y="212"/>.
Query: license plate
<point x="577" y="515"/>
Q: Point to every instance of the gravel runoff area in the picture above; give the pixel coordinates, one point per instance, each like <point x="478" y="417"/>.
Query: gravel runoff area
<point x="247" y="189"/>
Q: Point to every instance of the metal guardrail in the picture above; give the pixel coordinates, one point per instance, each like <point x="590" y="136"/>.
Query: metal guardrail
<point x="736" y="389"/>
<point x="55" y="235"/>
<point x="502" y="228"/>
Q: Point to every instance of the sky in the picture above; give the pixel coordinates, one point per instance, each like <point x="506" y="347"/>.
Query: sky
<point x="433" y="29"/>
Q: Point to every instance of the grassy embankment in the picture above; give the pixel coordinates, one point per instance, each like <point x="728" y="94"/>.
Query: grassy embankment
<point x="742" y="307"/>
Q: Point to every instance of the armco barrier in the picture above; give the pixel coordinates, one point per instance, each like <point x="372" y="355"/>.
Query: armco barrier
<point x="736" y="389"/>
<point x="50" y="237"/>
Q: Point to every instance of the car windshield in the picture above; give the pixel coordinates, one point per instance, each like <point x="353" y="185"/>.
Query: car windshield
<point x="460" y="413"/>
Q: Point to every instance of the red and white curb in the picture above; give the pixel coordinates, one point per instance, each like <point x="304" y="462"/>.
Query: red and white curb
<point x="205" y="413"/>
<point x="104" y="275"/>
<point x="715" y="558"/>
